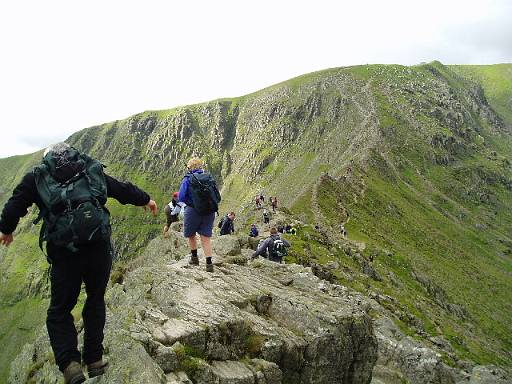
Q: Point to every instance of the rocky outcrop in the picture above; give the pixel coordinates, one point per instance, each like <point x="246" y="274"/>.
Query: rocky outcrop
<point x="257" y="323"/>
<point x="241" y="324"/>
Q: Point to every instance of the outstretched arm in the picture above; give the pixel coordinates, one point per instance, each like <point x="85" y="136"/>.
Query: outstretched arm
<point x="23" y="196"/>
<point x="127" y="193"/>
<point x="262" y="248"/>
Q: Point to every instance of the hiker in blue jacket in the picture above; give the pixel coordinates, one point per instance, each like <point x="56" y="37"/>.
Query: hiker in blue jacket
<point x="254" y="231"/>
<point x="193" y="222"/>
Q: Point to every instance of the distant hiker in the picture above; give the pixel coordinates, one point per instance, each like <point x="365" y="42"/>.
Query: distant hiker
<point x="280" y="228"/>
<point x="199" y="192"/>
<point x="273" y="202"/>
<point x="254" y="231"/>
<point x="343" y="231"/>
<point x="274" y="246"/>
<point x="172" y="212"/>
<point x="287" y="228"/>
<point x="292" y="231"/>
<point x="228" y="225"/>
<point x="258" y="202"/>
<point x="70" y="190"/>
<point x="266" y="216"/>
<point x="262" y="198"/>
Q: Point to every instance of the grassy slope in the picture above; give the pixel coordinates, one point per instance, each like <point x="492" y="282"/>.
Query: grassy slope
<point x="421" y="213"/>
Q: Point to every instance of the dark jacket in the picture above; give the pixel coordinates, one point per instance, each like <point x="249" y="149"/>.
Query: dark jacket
<point x="25" y="194"/>
<point x="228" y="226"/>
<point x="268" y="244"/>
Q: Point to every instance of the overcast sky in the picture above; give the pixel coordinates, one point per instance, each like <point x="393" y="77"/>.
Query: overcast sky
<point x="67" y="65"/>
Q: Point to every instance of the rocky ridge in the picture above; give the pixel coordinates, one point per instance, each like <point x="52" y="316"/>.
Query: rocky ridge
<point x="249" y="322"/>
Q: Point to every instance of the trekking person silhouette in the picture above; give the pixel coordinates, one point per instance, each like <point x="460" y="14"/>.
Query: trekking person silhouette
<point x="273" y="203"/>
<point x="172" y="212"/>
<point x="227" y="226"/>
<point x="266" y="216"/>
<point x="274" y="245"/>
<point x="70" y="189"/>
<point x="254" y="231"/>
<point x="199" y="192"/>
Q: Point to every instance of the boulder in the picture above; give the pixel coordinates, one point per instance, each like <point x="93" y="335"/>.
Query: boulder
<point x="227" y="245"/>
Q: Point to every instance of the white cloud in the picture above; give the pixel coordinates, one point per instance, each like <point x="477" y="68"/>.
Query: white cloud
<point x="68" y="65"/>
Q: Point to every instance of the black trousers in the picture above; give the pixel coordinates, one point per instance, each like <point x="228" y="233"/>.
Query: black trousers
<point x="91" y="264"/>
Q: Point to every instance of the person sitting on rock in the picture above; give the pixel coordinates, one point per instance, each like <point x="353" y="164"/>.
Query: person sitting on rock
<point x="274" y="246"/>
<point x="254" y="231"/>
<point x="228" y="225"/>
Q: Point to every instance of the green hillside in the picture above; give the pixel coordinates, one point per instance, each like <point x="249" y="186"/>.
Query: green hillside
<point x="417" y="161"/>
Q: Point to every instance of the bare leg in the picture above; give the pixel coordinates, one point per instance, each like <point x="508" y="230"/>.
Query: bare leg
<point x="192" y="242"/>
<point x="207" y="245"/>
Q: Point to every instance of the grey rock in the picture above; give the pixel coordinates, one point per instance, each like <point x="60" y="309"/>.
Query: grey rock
<point x="169" y="318"/>
<point x="228" y="245"/>
<point x="401" y="358"/>
<point x="489" y="375"/>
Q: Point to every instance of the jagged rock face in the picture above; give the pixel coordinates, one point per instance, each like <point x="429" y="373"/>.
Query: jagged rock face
<point x="262" y="323"/>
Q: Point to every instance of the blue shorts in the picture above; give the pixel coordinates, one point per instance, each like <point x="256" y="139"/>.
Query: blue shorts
<point x="194" y="223"/>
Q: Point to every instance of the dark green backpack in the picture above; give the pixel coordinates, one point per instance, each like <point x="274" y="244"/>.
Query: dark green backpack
<point x="73" y="190"/>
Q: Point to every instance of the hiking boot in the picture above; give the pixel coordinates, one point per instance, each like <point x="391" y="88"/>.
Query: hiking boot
<point x="73" y="373"/>
<point x="194" y="260"/>
<point x="97" y="368"/>
<point x="209" y="267"/>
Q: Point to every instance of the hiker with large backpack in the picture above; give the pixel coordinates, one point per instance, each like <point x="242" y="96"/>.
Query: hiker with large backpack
<point x="275" y="246"/>
<point x="227" y="225"/>
<point x="71" y="190"/>
<point x="199" y="192"/>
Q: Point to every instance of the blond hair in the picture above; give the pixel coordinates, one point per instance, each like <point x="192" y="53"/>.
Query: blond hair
<point x="195" y="163"/>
